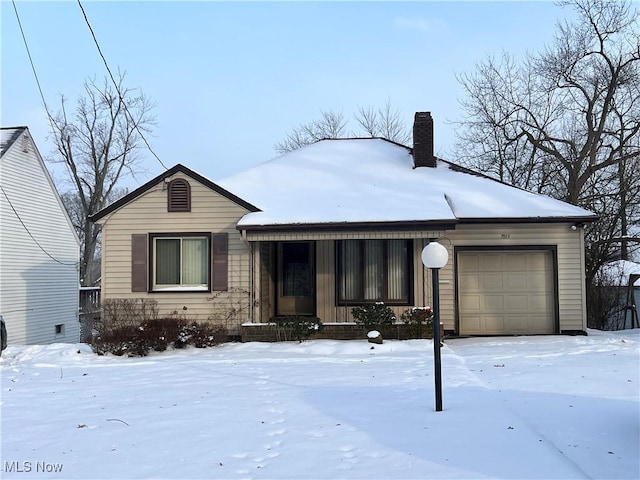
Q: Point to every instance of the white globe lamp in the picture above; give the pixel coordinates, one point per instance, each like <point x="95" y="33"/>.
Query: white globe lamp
<point x="434" y="257"/>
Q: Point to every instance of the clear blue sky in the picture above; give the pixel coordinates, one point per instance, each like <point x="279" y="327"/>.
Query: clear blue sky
<point x="231" y="79"/>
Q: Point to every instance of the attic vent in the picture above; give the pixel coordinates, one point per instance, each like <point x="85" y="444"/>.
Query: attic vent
<point x="179" y="198"/>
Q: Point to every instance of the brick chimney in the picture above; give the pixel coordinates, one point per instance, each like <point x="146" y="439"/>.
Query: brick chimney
<point x="423" y="140"/>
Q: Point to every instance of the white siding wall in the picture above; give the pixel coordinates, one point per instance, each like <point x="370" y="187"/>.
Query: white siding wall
<point x="210" y="212"/>
<point x="37" y="291"/>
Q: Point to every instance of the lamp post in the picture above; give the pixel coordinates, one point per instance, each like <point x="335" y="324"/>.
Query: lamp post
<point x="434" y="257"/>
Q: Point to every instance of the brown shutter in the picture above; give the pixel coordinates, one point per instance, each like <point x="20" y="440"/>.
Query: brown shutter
<point x="139" y="262"/>
<point x="220" y="261"/>
<point x="179" y="196"/>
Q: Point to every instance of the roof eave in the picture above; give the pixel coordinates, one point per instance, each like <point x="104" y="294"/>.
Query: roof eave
<point x="350" y="226"/>
<point x="506" y="220"/>
<point x="408" y="225"/>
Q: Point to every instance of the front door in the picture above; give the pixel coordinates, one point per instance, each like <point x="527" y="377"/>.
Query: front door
<point x="296" y="279"/>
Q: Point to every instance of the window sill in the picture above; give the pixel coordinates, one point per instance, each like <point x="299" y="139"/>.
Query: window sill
<point x="180" y="289"/>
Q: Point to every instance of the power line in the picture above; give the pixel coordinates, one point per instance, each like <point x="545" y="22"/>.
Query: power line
<point x="30" y="234"/>
<point x="35" y="74"/>
<point x="135" y="124"/>
<point x="33" y="68"/>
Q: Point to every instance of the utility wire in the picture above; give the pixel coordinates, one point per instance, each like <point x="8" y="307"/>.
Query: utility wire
<point x="33" y="68"/>
<point x="30" y="234"/>
<point x="35" y="74"/>
<point x="95" y="40"/>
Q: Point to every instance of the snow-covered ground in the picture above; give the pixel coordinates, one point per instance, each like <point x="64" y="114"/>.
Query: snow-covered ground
<point x="514" y="407"/>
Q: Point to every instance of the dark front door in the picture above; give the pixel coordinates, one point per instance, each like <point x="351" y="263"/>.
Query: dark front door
<point x="296" y="279"/>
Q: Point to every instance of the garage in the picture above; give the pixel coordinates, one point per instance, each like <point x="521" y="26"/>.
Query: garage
<point x="506" y="292"/>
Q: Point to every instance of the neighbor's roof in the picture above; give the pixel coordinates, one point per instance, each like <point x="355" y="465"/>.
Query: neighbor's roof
<point x="618" y="272"/>
<point x="8" y="135"/>
<point x="373" y="181"/>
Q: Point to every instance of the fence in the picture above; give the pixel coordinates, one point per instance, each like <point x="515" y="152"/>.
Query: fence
<point x="89" y="311"/>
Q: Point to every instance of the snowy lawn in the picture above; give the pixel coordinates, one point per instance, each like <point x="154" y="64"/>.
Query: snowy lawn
<point x="514" y="407"/>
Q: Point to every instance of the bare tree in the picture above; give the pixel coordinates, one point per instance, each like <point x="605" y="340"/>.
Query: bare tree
<point x="382" y="122"/>
<point x="99" y="144"/>
<point x="330" y="125"/>
<point x="566" y="121"/>
<point x="73" y="205"/>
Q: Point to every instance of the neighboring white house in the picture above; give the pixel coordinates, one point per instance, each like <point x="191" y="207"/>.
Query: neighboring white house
<point x="39" y="249"/>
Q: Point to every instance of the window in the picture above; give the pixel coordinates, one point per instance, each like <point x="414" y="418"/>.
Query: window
<point x="59" y="329"/>
<point x="374" y="270"/>
<point x="297" y="278"/>
<point x="179" y="196"/>
<point x="181" y="262"/>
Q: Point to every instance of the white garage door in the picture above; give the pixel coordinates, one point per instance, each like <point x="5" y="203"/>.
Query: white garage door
<point x="505" y="292"/>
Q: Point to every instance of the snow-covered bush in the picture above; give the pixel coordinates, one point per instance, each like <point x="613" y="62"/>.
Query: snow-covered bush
<point x="201" y="335"/>
<point x="373" y="315"/>
<point x="158" y="334"/>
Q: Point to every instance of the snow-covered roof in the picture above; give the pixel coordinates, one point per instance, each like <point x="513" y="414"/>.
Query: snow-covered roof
<point x="373" y="180"/>
<point x="8" y="135"/>
<point x="618" y="272"/>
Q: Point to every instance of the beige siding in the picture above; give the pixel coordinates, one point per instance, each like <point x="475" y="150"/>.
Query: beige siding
<point x="210" y="212"/>
<point x="570" y="255"/>
<point x="570" y="268"/>
<point x="325" y="281"/>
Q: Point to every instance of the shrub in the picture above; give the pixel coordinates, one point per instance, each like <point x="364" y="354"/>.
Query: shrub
<point x="201" y="335"/>
<point x="158" y="334"/>
<point x="419" y="320"/>
<point x="121" y="340"/>
<point x="299" y="327"/>
<point x="127" y="311"/>
<point x="373" y="315"/>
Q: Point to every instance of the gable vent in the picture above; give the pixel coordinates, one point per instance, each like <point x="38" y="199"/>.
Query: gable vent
<point x="179" y="197"/>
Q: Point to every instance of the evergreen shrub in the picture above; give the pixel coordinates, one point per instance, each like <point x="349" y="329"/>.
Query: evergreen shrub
<point x="373" y="315"/>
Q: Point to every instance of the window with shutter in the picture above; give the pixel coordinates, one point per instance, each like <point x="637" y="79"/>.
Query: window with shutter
<point x="179" y="196"/>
